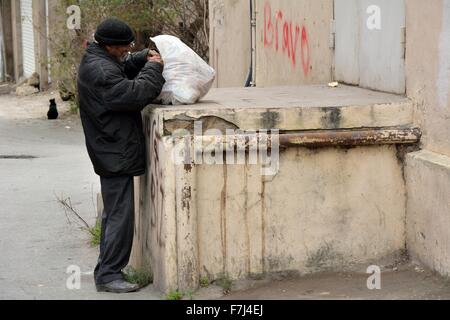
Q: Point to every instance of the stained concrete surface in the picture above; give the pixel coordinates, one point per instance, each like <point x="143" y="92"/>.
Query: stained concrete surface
<point x="408" y="282"/>
<point x="37" y="243"/>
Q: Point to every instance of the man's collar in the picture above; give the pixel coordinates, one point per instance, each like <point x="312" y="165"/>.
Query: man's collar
<point x="96" y="49"/>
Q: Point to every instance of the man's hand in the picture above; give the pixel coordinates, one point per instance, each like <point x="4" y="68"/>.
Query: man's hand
<point x="154" y="57"/>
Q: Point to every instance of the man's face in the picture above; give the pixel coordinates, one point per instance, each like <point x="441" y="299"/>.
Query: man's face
<point x="119" y="52"/>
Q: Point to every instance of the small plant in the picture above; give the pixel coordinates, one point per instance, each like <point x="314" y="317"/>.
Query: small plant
<point x="225" y="283"/>
<point x="96" y="233"/>
<point x="324" y="259"/>
<point x="73" y="107"/>
<point x="189" y="294"/>
<point x="138" y="276"/>
<point x="204" y="282"/>
<point x="175" y="295"/>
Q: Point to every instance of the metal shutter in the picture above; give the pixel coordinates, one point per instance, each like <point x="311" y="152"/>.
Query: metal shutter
<point x="29" y="63"/>
<point x="373" y="58"/>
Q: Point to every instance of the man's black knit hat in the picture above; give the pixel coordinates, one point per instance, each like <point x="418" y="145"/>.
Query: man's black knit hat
<point x="113" y="31"/>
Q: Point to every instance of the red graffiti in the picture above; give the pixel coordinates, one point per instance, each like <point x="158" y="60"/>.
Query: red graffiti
<point x="290" y="40"/>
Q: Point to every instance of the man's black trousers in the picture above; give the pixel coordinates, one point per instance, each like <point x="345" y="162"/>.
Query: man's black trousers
<point x="117" y="228"/>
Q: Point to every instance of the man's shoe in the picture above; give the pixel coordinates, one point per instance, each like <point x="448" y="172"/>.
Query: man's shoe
<point x="117" y="286"/>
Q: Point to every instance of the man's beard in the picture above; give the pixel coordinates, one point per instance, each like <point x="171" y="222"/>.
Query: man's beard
<point x="124" y="58"/>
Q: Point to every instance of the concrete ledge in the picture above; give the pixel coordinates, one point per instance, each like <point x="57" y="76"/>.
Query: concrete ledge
<point x="428" y="209"/>
<point x="290" y="108"/>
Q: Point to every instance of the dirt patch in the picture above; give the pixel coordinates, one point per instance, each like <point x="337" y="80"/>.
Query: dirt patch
<point x="32" y="107"/>
<point x="409" y="281"/>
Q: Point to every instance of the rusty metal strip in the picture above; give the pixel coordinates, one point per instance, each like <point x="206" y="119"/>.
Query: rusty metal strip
<point x="316" y="138"/>
<point x="354" y="137"/>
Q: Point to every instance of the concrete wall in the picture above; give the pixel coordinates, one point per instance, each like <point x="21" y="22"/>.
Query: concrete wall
<point x="318" y="213"/>
<point x="428" y="69"/>
<point x="428" y="172"/>
<point x="230" y="51"/>
<point x="326" y="208"/>
<point x="6" y="45"/>
<point x="428" y="209"/>
<point x="292" y="42"/>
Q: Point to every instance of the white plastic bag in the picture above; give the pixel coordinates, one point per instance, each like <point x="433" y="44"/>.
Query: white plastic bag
<point x="188" y="77"/>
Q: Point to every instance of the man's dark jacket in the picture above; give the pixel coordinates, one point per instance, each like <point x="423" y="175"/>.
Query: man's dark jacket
<point x="112" y="95"/>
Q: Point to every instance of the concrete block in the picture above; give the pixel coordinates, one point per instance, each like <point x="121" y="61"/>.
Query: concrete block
<point x="324" y="209"/>
<point x="428" y="209"/>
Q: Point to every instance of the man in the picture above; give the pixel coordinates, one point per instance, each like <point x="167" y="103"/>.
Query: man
<point x="114" y="87"/>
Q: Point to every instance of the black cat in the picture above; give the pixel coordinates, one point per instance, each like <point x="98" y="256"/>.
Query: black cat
<point x="52" y="113"/>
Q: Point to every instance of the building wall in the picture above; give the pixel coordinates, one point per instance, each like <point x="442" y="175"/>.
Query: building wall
<point x="317" y="214"/>
<point x="428" y="209"/>
<point x="428" y="69"/>
<point x="2" y="73"/>
<point x="370" y="45"/>
<point x="6" y="41"/>
<point x="292" y="42"/>
<point x="230" y="51"/>
<point x="325" y="210"/>
<point x="428" y="171"/>
<point x="27" y="49"/>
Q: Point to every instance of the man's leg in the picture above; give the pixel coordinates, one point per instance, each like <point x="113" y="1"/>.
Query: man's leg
<point x="117" y="228"/>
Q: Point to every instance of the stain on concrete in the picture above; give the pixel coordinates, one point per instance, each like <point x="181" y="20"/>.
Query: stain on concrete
<point x="186" y="199"/>
<point x="188" y="167"/>
<point x="326" y="258"/>
<point x="275" y="263"/>
<point x="223" y="216"/>
<point x="331" y="118"/>
<point x="247" y="230"/>
<point x="263" y="224"/>
<point x="183" y="122"/>
<point x="18" y="157"/>
<point x="270" y="119"/>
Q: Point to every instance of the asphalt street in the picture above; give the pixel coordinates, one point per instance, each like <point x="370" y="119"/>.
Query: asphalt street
<point x="42" y="161"/>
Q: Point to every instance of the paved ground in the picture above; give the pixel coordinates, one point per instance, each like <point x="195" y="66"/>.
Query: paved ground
<point x="37" y="244"/>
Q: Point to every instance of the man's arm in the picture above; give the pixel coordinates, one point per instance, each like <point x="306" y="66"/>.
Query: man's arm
<point x="125" y="95"/>
<point x="135" y="62"/>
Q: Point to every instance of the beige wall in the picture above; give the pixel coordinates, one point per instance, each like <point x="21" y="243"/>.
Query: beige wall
<point x="428" y="171"/>
<point x="230" y="51"/>
<point x="428" y="69"/>
<point x="428" y="209"/>
<point x="326" y="208"/>
<point x="292" y="42"/>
